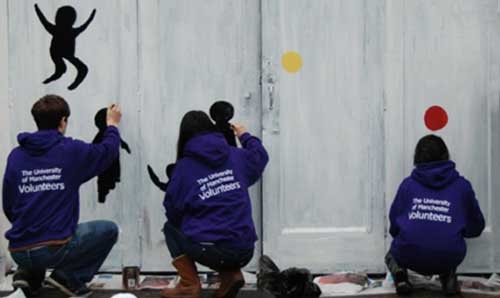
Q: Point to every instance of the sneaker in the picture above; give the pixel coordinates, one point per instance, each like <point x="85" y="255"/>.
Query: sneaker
<point x="60" y="283"/>
<point x="29" y="282"/>
<point x="20" y="280"/>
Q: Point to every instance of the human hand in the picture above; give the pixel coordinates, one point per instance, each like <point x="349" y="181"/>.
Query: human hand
<point x="238" y="129"/>
<point x="114" y="115"/>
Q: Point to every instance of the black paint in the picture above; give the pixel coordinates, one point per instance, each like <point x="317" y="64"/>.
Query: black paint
<point x="221" y="112"/>
<point x="63" y="42"/>
<point x="110" y="177"/>
<point x="156" y="180"/>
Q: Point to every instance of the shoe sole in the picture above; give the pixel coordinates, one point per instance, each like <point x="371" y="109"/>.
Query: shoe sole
<point x="20" y="284"/>
<point x="61" y="288"/>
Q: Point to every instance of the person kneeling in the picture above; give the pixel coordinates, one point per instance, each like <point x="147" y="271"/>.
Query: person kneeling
<point x="434" y="210"/>
<point x="41" y="200"/>
<point x="208" y="205"/>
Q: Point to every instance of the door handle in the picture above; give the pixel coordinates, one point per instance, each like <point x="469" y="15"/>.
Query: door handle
<point x="270" y="90"/>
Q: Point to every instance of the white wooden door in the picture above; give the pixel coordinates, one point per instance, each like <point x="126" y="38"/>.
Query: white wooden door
<point x="109" y="48"/>
<point x="323" y="204"/>
<point x="446" y="53"/>
<point x="191" y="54"/>
<point x="158" y="59"/>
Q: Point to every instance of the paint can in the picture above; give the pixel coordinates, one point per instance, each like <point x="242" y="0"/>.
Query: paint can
<point x="130" y="276"/>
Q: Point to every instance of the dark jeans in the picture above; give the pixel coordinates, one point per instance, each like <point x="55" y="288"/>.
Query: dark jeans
<point x="77" y="261"/>
<point x="215" y="257"/>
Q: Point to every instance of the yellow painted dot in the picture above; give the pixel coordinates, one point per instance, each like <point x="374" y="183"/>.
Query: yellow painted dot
<point x="292" y="62"/>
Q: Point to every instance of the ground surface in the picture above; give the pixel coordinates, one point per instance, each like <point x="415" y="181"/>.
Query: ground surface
<point x="49" y="293"/>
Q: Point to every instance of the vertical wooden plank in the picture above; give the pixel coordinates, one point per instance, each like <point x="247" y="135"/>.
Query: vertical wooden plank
<point x="129" y="195"/>
<point x="5" y="114"/>
<point x="493" y="95"/>
<point x="109" y="48"/>
<point x="190" y="58"/>
<point x="394" y="95"/>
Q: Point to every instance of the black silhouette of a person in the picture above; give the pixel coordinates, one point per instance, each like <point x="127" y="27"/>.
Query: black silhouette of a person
<point x="108" y="179"/>
<point x="63" y="42"/>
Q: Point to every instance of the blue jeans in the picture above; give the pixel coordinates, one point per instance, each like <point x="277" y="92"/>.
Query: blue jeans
<point x="215" y="257"/>
<point x="78" y="260"/>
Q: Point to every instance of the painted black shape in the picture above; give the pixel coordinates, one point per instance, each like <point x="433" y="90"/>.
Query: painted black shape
<point x="110" y="177"/>
<point x="63" y="42"/>
<point x="221" y="112"/>
<point x="156" y="180"/>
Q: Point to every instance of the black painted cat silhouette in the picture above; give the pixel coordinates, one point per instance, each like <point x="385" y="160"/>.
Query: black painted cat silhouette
<point x="169" y="171"/>
<point x="111" y="176"/>
<point x="220" y="112"/>
<point x="63" y="42"/>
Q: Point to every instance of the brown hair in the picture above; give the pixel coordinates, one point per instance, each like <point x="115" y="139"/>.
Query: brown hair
<point x="49" y="110"/>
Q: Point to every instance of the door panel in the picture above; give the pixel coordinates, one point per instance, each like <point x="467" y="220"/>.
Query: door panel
<point x="324" y="187"/>
<point x="447" y="55"/>
<point x="108" y="47"/>
<point x="191" y="54"/>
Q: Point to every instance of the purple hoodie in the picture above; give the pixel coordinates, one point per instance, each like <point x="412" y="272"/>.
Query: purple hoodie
<point x="42" y="180"/>
<point x="434" y="210"/>
<point x="207" y="197"/>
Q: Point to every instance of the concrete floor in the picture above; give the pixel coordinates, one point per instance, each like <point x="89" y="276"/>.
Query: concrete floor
<point x="50" y="293"/>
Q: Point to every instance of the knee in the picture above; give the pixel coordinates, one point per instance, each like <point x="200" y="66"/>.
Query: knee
<point x="110" y="230"/>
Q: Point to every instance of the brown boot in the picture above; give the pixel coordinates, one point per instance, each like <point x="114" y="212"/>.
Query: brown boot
<point x="230" y="284"/>
<point x="189" y="284"/>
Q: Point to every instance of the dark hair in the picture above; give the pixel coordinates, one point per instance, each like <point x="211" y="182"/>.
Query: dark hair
<point x="49" y="110"/>
<point x="193" y="123"/>
<point x="430" y="148"/>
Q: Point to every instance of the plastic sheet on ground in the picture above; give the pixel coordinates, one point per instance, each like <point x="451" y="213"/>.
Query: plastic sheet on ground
<point x="107" y="282"/>
<point x="155" y="282"/>
<point x="124" y="295"/>
<point x="342" y="283"/>
<point x="482" y="285"/>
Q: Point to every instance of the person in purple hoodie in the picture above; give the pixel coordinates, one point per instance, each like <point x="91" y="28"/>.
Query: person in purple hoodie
<point x="434" y="210"/>
<point x="208" y="205"/>
<point x="41" y="200"/>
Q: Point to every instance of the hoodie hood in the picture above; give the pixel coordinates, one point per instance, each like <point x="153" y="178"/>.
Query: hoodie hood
<point x="435" y="175"/>
<point x="211" y="148"/>
<point x="38" y="143"/>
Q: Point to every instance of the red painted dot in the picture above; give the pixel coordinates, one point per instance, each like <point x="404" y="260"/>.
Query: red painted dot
<point x="435" y="118"/>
